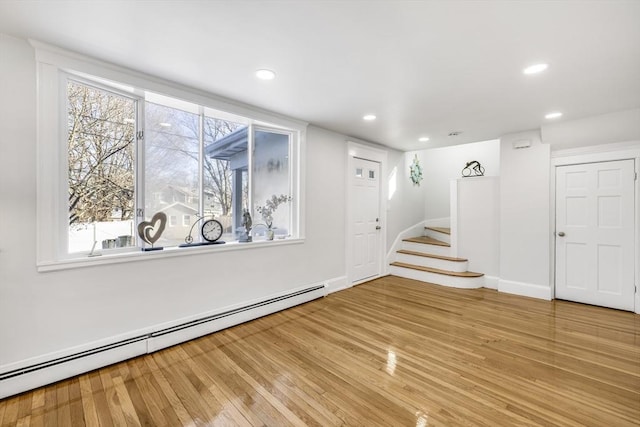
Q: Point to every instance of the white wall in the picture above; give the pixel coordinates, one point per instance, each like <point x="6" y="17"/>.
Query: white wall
<point x="441" y="165"/>
<point x="524" y="216"/>
<point x="405" y="207"/>
<point x="43" y="313"/>
<point x="619" y="126"/>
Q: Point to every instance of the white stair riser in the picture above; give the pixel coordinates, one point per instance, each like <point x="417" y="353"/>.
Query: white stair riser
<point x="443" y="237"/>
<point x="426" y="248"/>
<point x="441" y="264"/>
<point x="438" y="279"/>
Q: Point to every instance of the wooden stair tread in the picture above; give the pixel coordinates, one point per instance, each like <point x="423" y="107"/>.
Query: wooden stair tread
<point x="446" y="258"/>
<point x="437" y="270"/>
<point x="426" y="240"/>
<point x="443" y="230"/>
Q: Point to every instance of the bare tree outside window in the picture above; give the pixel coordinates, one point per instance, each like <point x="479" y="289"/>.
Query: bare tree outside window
<point x="101" y="135"/>
<point x="218" y="174"/>
<point x="172" y="156"/>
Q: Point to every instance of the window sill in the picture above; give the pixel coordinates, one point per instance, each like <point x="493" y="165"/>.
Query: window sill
<point x="169" y="252"/>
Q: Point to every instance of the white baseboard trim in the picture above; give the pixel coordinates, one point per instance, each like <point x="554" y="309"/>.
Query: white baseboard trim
<point x="70" y="352"/>
<point x="525" y="289"/>
<point x="491" y="282"/>
<point x="368" y="279"/>
<point x="28" y="374"/>
<point x="337" y="284"/>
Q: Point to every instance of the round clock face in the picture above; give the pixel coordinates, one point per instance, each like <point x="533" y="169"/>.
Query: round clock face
<point x="211" y="230"/>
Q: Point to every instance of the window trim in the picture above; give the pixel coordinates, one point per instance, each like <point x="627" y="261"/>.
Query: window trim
<point x="294" y="203"/>
<point x="170" y="252"/>
<point x="53" y="66"/>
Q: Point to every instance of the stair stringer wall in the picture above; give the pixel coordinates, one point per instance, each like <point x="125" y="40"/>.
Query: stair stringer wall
<point x="475" y="224"/>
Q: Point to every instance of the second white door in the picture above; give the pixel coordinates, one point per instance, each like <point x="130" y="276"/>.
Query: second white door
<point x="595" y="229"/>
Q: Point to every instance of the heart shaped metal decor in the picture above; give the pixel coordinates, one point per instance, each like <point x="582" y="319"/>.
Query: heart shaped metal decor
<point x="150" y="231"/>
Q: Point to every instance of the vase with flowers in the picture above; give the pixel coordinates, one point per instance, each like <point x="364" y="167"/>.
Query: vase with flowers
<point x="269" y="209"/>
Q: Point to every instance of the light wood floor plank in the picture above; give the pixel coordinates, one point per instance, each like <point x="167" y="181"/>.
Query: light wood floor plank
<point x="176" y="405"/>
<point x="275" y="378"/>
<point x="173" y="371"/>
<point x="275" y="411"/>
<point x="3" y="409"/>
<point x="63" y="403"/>
<point x="222" y="383"/>
<point x="115" y="411"/>
<point x="148" y="400"/>
<point x="76" y="410"/>
<point x="285" y="384"/>
<point x="88" y="401"/>
<point x="10" y="411"/>
<point x="51" y="406"/>
<point x="99" y="397"/>
<point x="391" y="352"/>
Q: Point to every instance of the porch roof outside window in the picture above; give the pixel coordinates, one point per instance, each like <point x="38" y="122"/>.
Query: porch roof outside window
<point x="230" y="145"/>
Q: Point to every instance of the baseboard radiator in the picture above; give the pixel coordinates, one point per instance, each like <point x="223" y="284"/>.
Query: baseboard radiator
<point x="40" y="374"/>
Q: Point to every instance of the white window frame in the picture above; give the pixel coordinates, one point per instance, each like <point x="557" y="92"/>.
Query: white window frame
<point x="293" y="171"/>
<point x="65" y="77"/>
<point x="53" y="64"/>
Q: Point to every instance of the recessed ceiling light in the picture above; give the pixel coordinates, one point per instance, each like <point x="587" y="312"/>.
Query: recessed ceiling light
<point x="264" y="74"/>
<point x="423" y="139"/>
<point x="165" y="125"/>
<point x="369" y="117"/>
<point x="535" y="69"/>
<point x="553" y="115"/>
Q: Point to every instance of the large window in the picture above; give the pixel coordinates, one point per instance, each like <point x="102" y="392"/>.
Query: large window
<point x="132" y="155"/>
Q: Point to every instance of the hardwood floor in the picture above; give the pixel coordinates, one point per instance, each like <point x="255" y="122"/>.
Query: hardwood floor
<point x="391" y="352"/>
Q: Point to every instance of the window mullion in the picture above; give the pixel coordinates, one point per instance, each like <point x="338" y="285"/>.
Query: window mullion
<point x="140" y="169"/>
<point x="250" y="148"/>
<point x="201" y="155"/>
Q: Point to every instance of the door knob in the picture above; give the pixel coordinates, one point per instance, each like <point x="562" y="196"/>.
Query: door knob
<point x="561" y="234"/>
<point x="378" y="227"/>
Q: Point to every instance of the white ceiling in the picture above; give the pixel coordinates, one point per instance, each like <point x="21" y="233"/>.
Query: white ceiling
<point x="424" y="68"/>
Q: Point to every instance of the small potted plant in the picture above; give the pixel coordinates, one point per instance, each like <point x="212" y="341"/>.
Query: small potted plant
<point x="268" y="210"/>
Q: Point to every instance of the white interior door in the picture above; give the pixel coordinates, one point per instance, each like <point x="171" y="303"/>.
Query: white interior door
<point x="595" y="251"/>
<point x="365" y="207"/>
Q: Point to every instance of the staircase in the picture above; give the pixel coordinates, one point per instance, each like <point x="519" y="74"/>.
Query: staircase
<point x="428" y="259"/>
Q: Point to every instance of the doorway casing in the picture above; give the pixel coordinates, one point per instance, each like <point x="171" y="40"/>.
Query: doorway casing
<point x="596" y="154"/>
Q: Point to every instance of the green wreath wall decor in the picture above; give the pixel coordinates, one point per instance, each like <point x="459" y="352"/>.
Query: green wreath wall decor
<point x="415" y="171"/>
